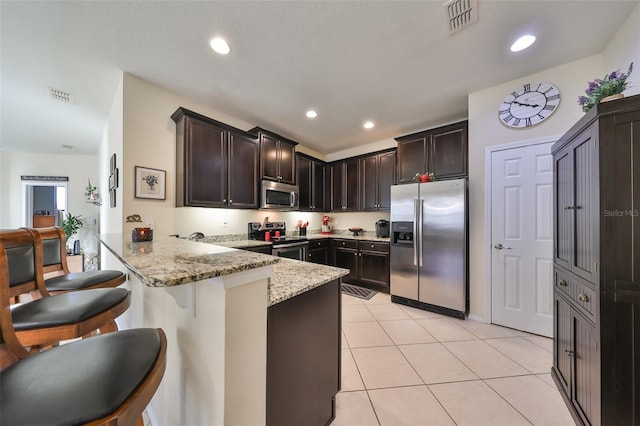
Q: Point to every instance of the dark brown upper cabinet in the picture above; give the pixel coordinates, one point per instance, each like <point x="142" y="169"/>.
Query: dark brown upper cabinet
<point x="345" y="185"/>
<point x="277" y="156"/>
<point x="378" y="173"/>
<point x="442" y="151"/>
<point x="311" y="178"/>
<point x="216" y="164"/>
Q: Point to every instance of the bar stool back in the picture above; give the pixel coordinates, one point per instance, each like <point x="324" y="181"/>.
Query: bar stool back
<point x="50" y="242"/>
<point x="51" y="319"/>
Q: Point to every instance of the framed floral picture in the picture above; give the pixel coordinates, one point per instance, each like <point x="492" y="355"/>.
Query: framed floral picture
<point x="150" y="183"/>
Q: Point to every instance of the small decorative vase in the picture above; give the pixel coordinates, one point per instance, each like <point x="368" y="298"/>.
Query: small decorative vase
<point x="612" y="97"/>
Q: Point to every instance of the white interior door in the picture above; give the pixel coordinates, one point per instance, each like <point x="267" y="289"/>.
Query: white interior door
<point x="522" y="238"/>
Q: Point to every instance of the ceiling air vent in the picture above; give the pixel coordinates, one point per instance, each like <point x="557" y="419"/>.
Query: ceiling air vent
<point x="61" y="96"/>
<point x="461" y="13"/>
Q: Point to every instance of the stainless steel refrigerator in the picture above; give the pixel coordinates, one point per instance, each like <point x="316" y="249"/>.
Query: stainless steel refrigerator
<point x="429" y="242"/>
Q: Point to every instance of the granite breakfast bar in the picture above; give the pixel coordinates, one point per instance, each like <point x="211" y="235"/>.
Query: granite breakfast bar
<point x="250" y="335"/>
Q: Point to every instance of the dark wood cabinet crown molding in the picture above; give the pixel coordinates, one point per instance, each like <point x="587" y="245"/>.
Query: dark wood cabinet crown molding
<point x="182" y="112"/>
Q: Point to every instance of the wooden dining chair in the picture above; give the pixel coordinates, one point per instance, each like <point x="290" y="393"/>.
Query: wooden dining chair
<point x="51" y="244"/>
<point x="51" y="319"/>
<point x="105" y="380"/>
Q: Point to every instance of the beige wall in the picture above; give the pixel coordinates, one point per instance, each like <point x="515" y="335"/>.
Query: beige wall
<point x="486" y="130"/>
<point x="111" y="143"/>
<point x="78" y="168"/>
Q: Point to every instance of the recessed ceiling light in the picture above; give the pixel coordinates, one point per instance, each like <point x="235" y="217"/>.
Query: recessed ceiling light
<point x="220" y="45"/>
<point x="311" y="114"/>
<point x="522" y="43"/>
<point x="368" y="124"/>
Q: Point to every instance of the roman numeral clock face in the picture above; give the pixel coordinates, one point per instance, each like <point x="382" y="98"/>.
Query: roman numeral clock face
<point x="530" y="104"/>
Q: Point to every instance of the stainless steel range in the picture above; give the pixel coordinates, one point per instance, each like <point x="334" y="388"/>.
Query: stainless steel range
<point x="292" y="247"/>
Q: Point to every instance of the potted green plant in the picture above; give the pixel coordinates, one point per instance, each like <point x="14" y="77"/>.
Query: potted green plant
<point x="71" y="225"/>
<point x="608" y="88"/>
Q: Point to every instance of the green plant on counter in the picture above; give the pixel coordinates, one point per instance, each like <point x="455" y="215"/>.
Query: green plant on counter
<point x="71" y="225"/>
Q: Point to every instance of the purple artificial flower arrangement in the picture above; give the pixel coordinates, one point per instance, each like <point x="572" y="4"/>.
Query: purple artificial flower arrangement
<point x="611" y="84"/>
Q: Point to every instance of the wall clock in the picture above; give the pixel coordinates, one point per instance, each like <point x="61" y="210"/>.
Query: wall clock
<point x="529" y="104"/>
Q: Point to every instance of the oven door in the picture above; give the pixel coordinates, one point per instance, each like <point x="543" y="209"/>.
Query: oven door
<point x="297" y="251"/>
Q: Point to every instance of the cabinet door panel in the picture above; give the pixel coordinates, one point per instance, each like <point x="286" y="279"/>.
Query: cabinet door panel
<point x="369" y="193"/>
<point x="562" y="342"/>
<point x="386" y="178"/>
<point x="586" y="389"/>
<point x="319" y="255"/>
<point x="206" y="165"/>
<point x="412" y="159"/>
<point x="351" y="185"/>
<point x="449" y="153"/>
<point x="336" y="187"/>
<point x="304" y="182"/>
<point x="347" y="259"/>
<point x="287" y="163"/>
<point x="243" y="172"/>
<point x="563" y="250"/>
<point x="584" y="210"/>
<point x="318" y="186"/>
<point x="268" y="157"/>
<point x="374" y="268"/>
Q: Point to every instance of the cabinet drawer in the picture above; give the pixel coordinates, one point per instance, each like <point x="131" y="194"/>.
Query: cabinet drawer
<point x="374" y="246"/>
<point x="313" y="244"/>
<point x="579" y="292"/>
<point x="346" y="243"/>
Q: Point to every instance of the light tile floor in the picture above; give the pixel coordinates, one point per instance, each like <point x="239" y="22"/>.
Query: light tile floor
<point x="406" y="366"/>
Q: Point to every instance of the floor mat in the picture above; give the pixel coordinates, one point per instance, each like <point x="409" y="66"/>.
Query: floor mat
<point x="361" y="292"/>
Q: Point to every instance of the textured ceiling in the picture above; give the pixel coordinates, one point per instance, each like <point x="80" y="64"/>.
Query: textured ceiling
<point x="393" y="62"/>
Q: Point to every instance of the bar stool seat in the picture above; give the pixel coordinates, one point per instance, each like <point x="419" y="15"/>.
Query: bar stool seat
<point x="66" y="308"/>
<point x="83" y="280"/>
<point x="107" y="378"/>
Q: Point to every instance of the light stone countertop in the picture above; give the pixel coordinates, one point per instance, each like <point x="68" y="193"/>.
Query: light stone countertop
<point x="348" y="236"/>
<point x="239" y="244"/>
<point x="166" y="262"/>
<point x="293" y="277"/>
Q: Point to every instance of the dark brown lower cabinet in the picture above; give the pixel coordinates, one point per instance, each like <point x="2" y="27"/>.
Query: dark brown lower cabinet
<point x="319" y="251"/>
<point x="304" y="357"/>
<point x="374" y="265"/>
<point x="368" y="262"/>
<point x="345" y="255"/>
<point x="577" y="361"/>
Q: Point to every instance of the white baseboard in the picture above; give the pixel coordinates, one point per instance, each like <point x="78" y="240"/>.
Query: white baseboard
<point x="477" y="318"/>
<point x="153" y="420"/>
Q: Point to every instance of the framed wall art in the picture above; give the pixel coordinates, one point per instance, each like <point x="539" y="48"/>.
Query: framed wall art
<point x="150" y="183"/>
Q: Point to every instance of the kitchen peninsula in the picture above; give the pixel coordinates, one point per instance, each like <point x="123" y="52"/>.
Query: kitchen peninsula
<point x="253" y="339"/>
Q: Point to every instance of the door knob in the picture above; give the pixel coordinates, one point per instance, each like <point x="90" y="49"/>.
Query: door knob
<point x="500" y="247"/>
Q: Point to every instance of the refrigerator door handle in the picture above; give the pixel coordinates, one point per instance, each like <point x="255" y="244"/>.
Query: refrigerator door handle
<point x="420" y="206"/>
<point x="416" y="240"/>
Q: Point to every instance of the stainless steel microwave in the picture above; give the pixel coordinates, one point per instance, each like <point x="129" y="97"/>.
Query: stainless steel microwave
<point x="278" y="196"/>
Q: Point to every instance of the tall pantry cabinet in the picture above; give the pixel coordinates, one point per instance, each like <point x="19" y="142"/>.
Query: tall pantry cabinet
<point x="596" y="359"/>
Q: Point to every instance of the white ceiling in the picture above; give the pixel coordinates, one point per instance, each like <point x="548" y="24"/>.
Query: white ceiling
<point x="393" y="62"/>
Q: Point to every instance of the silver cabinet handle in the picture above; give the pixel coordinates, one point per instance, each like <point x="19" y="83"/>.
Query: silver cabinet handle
<point x="224" y="200"/>
<point x="583" y="297"/>
<point x="500" y="247"/>
<point x="568" y="352"/>
<point x="562" y="283"/>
